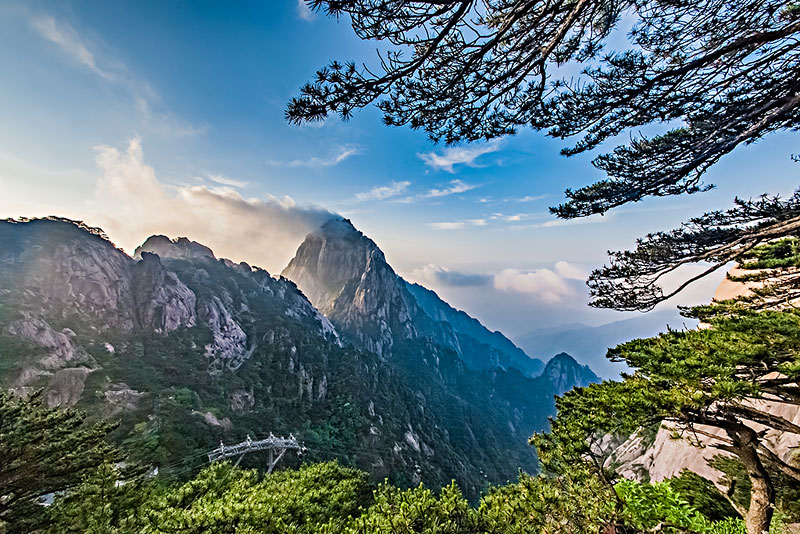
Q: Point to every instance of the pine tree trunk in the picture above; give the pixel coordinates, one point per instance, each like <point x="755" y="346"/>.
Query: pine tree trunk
<point x="762" y="492"/>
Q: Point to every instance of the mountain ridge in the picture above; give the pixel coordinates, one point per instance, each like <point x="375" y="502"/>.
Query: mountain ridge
<point x="186" y="350"/>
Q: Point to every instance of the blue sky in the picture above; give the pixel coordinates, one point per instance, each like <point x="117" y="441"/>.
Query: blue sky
<point x="167" y="117"/>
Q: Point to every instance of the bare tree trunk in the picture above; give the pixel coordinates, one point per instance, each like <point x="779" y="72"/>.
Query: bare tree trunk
<point x="762" y="493"/>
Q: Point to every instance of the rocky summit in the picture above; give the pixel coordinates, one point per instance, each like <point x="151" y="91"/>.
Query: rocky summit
<point x="346" y="276"/>
<point x="187" y="350"/>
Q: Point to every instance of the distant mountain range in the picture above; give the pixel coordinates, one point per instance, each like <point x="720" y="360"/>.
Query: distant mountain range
<point x="186" y="349"/>
<point x="589" y="344"/>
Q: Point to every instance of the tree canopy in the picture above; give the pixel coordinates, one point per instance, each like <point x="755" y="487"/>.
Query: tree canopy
<point x="719" y="385"/>
<point x="43" y="450"/>
<point x="715" y="73"/>
<point x="709" y="75"/>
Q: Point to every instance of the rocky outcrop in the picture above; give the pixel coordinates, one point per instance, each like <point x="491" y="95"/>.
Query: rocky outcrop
<point x="228" y="345"/>
<point x="180" y="248"/>
<point x="162" y="301"/>
<point x="242" y="401"/>
<point x="60" y="349"/>
<point x="66" y="386"/>
<point x="67" y="271"/>
<point x="121" y="398"/>
<point x="328" y="260"/>
<point x="63" y="367"/>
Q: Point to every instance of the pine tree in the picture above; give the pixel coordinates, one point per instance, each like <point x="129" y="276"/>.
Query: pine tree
<point x="706" y="383"/>
<point x="43" y="451"/>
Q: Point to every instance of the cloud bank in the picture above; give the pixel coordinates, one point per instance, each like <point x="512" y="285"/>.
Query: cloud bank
<point x="437" y="275"/>
<point x="552" y="286"/>
<point x="133" y="204"/>
<point x="542" y="284"/>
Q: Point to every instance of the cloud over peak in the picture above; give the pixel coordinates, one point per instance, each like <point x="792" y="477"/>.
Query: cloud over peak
<point x="132" y="204"/>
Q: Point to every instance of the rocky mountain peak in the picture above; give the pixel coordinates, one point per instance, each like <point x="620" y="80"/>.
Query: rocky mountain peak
<point x="180" y="248"/>
<point x="565" y="373"/>
<point x="328" y="259"/>
<point x="346" y="276"/>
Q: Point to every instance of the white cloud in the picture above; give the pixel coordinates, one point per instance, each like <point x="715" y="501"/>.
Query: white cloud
<point x="453" y="188"/>
<point x="531" y="198"/>
<point x="383" y="192"/>
<point x="591" y="219"/>
<point x="131" y="204"/>
<point x="452" y="156"/>
<point x="69" y="41"/>
<point x="457" y="225"/>
<point x="316" y="162"/>
<point x="437" y="275"/>
<point x="542" y="284"/>
<point x="115" y="72"/>
<point x="569" y="270"/>
<point x="224" y="180"/>
<point x="517" y="217"/>
<point x="304" y="12"/>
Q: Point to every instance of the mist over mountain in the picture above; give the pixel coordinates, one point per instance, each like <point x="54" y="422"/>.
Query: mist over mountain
<point x="187" y="350"/>
<point x="588" y="344"/>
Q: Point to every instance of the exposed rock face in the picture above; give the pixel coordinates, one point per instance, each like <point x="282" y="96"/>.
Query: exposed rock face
<point x="64" y="365"/>
<point x="121" y="398"/>
<point x="66" y="386"/>
<point x="242" y="401"/>
<point x="67" y="271"/>
<point x="61" y="351"/>
<point x="228" y="347"/>
<point x="328" y="260"/>
<point x="565" y="373"/>
<point x="180" y="248"/>
<point x="346" y="276"/>
<point x="163" y="302"/>
<point x="54" y="270"/>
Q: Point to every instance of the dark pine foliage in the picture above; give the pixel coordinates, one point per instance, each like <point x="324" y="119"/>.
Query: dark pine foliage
<point x="716" y="73"/>
<point x="42" y="451"/>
